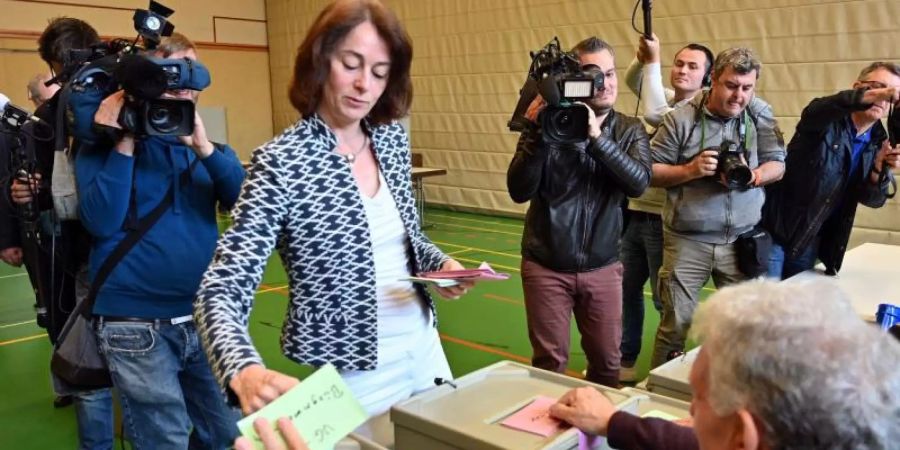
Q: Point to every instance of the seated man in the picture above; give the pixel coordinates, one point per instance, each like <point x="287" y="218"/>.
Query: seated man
<point x="783" y="366"/>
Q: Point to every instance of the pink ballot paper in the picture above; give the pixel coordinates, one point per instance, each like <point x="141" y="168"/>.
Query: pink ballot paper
<point x="484" y="272"/>
<point x="535" y="418"/>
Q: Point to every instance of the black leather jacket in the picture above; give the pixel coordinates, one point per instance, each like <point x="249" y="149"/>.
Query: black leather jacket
<point x="576" y="193"/>
<point x="816" y="182"/>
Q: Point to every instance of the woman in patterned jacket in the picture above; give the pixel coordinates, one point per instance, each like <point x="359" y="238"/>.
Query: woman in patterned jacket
<point x="333" y="194"/>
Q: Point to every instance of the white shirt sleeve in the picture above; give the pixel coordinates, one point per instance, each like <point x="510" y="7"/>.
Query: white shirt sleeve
<point x="633" y="76"/>
<point x="655" y="97"/>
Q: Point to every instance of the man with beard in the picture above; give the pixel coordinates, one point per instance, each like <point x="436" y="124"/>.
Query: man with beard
<point x="570" y="244"/>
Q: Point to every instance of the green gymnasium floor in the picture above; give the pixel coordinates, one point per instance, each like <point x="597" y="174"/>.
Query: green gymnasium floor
<point x="486" y="326"/>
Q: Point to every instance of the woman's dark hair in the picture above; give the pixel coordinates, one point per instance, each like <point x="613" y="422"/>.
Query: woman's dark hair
<point x="63" y="34"/>
<point x="312" y="66"/>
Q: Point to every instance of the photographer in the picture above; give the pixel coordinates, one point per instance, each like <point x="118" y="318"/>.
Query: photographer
<point x="712" y="198"/>
<point x="839" y="157"/>
<point x="142" y="312"/>
<point x="10" y="239"/>
<point x="641" y="247"/>
<point x="570" y="243"/>
<point x="59" y="269"/>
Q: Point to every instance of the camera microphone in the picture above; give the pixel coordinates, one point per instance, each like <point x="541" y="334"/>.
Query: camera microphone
<point x="12" y="114"/>
<point x="646" y="5"/>
<point x="141" y="77"/>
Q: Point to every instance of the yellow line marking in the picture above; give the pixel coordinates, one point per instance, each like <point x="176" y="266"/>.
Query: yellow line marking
<point x="28" y="338"/>
<point x="503" y="299"/>
<point x="9" y="325"/>
<point x="464" y="250"/>
<point x="505" y="354"/>
<point x="270" y="289"/>
<point x="464" y="227"/>
<point x="474" y="261"/>
<point x="13" y="275"/>
<point x="485" y="222"/>
<point x="481" y="250"/>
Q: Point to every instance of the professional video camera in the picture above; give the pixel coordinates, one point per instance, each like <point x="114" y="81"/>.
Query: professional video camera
<point x="144" y="79"/>
<point x="559" y="78"/>
<point x="731" y="167"/>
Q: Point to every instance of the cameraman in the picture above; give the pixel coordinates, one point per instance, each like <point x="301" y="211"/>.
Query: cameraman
<point x="143" y="310"/>
<point x="839" y="157"/>
<point x="570" y="243"/>
<point x="69" y="255"/>
<point x="702" y="216"/>
<point x="641" y="247"/>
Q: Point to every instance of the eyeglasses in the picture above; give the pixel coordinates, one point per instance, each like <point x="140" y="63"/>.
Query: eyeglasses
<point x="871" y="84"/>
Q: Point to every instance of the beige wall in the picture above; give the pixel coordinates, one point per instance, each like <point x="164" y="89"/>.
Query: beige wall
<point x="471" y="57"/>
<point x="231" y="35"/>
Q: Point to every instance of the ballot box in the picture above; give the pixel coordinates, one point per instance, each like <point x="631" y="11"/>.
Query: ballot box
<point x="671" y="378"/>
<point x="469" y="415"/>
<point x="355" y="441"/>
<point x="655" y="405"/>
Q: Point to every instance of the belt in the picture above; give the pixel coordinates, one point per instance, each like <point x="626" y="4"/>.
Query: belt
<point x="172" y="321"/>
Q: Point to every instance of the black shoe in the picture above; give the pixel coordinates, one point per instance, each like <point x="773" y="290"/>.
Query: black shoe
<point x="61" y="401"/>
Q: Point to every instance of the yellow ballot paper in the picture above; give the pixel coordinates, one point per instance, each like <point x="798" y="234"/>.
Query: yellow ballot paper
<point x="321" y="407"/>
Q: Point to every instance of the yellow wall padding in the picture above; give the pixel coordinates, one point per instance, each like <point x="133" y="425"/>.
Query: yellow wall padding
<point x="471" y="58"/>
<point x="230" y="34"/>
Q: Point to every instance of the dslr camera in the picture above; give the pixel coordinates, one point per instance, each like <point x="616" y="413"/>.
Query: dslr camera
<point x="731" y="167"/>
<point x="560" y="79"/>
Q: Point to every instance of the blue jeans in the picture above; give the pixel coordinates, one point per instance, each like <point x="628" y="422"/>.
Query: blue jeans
<point x="640" y="251"/>
<point x="782" y="267"/>
<point x="94" y="414"/>
<point x="166" y="386"/>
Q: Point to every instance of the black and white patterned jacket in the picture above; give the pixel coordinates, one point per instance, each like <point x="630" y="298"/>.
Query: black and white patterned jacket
<point x="300" y="196"/>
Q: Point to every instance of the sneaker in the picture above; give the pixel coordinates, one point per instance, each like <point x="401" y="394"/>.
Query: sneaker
<point x="628" y="373"/>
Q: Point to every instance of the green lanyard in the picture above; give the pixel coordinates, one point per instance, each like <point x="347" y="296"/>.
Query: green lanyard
<point x="742" y="131"/>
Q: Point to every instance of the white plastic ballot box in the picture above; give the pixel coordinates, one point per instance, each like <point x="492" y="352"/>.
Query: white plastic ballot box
<point x="354" y="441"/>
<point x="469" y="415"/>
<point x="655" y="405"/>
<point x="671" y="378"/>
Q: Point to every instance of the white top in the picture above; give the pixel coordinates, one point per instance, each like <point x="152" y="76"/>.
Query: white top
<point x="400" y="310"/>
<point x="657" y="99"/>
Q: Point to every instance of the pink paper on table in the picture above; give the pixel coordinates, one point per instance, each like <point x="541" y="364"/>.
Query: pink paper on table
<point x="535" y="418"/>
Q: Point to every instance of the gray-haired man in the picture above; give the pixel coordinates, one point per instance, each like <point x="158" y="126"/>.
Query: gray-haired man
<point x="783" y="366"/>
<point x="703" y="216"/>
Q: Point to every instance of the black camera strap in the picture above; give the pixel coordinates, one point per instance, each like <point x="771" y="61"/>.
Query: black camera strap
<point x="743" y="131"/>
<point x="132" y="237"/>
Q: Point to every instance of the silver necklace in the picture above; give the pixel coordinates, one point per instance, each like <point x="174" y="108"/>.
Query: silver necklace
<point x="351" y="157"/>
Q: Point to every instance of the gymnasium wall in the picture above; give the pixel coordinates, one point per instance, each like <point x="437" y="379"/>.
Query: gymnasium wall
<point x="471" y="58"/>
<point x="231" y="36"/>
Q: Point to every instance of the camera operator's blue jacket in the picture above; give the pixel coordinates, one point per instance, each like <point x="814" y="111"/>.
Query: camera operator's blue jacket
<point x="816" y="180"/>
<point x="577" y="191"/>
<point x="159" y="277"/>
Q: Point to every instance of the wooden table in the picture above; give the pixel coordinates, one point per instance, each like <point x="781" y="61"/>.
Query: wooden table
<point x="418" y="174"/>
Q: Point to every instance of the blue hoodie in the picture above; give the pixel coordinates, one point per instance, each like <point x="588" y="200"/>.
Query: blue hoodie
<point x="160" y="275"/>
